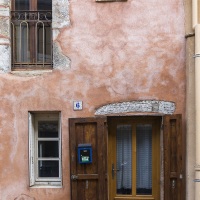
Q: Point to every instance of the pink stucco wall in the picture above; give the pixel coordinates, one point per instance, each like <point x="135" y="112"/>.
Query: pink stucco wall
<point x="119" y="51"/>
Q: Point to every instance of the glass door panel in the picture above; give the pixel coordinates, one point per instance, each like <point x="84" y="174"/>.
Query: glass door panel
<point x="124" y="159"/>
<point x="144" y="159"/>
<point x="134" y="158"/>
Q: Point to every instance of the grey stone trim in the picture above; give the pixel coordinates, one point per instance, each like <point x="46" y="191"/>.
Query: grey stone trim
<point x="4" y="2"/>
<point x="60" y="11"/>
<point x="60" y="61"/>
<point x="150" y="106"/>
<point x="5" y="27"/>
<point x="5" y="62"/>
<point x="5" y="58"/>
<point x="4" y="11"/>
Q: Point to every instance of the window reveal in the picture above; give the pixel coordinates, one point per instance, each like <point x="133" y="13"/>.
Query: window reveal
<point x="31" y="30"/>
<point x="44" y="149"/>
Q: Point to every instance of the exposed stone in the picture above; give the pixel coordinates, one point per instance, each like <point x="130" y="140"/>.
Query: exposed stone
<point x="60" y="19"/>
<point x="4" y="12"/>
<point x="60" y="11"/>
<point x="4" y="2"/>
<point x="60" y="61"/>
<point x="164" y="107"/>
<point x="5" y="58"/>
<point x="4" y="26"/>
<point x="56" y="32"/>
<point x="4" y="41"/>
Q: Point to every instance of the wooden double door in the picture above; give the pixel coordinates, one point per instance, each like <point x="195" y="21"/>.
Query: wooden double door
<point x="130" y="158"/>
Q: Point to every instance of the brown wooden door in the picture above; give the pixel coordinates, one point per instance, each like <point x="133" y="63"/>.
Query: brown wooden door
<point x="88" y="181"/>
<point x="174" y="159"/>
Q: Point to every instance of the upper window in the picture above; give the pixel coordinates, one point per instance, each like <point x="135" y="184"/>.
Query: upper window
<point x="45" y="149"/>
<point x="31" y="34"/>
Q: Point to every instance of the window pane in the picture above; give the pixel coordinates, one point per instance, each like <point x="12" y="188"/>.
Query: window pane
<point x="21" y="43"/>
<point x="48" y="129"/>
<point x="44" y="43"/>
<point x="44" y="5"/>
<point x="48" y="168"/>
<point x="21" y="4"/>
<point x="48" y="149"/>
<point x="144" y="159"/>
<point x="124" y="159"/>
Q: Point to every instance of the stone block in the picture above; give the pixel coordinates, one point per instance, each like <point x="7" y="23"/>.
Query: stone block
<point x="164" y="107"/>
<point x="4" y="2"/>
<point x="60" y="10"/>
<point x="5" y="61"/>
<point x="4" y="27"/>
<point x="60" y="61"/>
<point x="5" y="12"/>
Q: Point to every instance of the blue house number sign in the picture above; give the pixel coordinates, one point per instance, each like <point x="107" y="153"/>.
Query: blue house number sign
<point x="78" y="105"/>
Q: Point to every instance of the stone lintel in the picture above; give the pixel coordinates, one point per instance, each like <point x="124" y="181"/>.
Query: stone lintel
<point x="143" y="106"/>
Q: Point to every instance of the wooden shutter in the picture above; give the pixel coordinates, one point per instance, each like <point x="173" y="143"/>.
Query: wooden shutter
<point x="174" y="160"/>
<point x="88" y="181"/>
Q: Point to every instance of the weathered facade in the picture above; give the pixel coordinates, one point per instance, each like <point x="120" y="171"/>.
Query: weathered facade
<point x="118" y="58"/>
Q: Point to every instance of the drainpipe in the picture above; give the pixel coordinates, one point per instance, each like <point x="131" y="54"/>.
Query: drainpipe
<point x="197" y="107"/>
<point x="196" y="27"/>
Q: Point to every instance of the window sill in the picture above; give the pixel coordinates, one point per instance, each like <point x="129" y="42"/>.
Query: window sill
<point x="46" y="186"/>
<point x="28" y="73"/>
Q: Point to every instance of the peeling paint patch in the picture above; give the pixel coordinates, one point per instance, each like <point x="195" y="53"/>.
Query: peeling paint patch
<point x="165" y="107"/>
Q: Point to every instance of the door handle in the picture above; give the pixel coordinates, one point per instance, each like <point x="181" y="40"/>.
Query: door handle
<point x="74" y="177"/>
<point x="114" y="171"/>
<point x="173" y="184"/>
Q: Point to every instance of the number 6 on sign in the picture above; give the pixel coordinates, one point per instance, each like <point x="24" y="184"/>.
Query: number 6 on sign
<point x="78" y="105"/>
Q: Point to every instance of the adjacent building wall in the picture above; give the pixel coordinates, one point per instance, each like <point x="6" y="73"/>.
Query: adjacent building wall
<point x="103" y="53"/>
<point x="191" y="19"/>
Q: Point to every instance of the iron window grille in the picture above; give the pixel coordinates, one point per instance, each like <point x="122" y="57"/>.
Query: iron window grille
<point x="31" y="37"/>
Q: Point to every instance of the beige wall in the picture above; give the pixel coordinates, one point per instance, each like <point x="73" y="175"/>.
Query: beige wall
<point x="190" y="102"/>
<point x="108" y="52"/>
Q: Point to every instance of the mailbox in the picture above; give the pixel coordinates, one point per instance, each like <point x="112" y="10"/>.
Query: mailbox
<point x="84" y="153"/>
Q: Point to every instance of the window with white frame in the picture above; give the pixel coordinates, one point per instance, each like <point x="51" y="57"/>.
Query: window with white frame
<point x="45" y="149"/>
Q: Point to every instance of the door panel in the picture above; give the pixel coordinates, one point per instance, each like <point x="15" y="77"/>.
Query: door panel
<point x="134" y="158"/>
<point x="88" y="181"/>
<point x="174" y="176"/>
